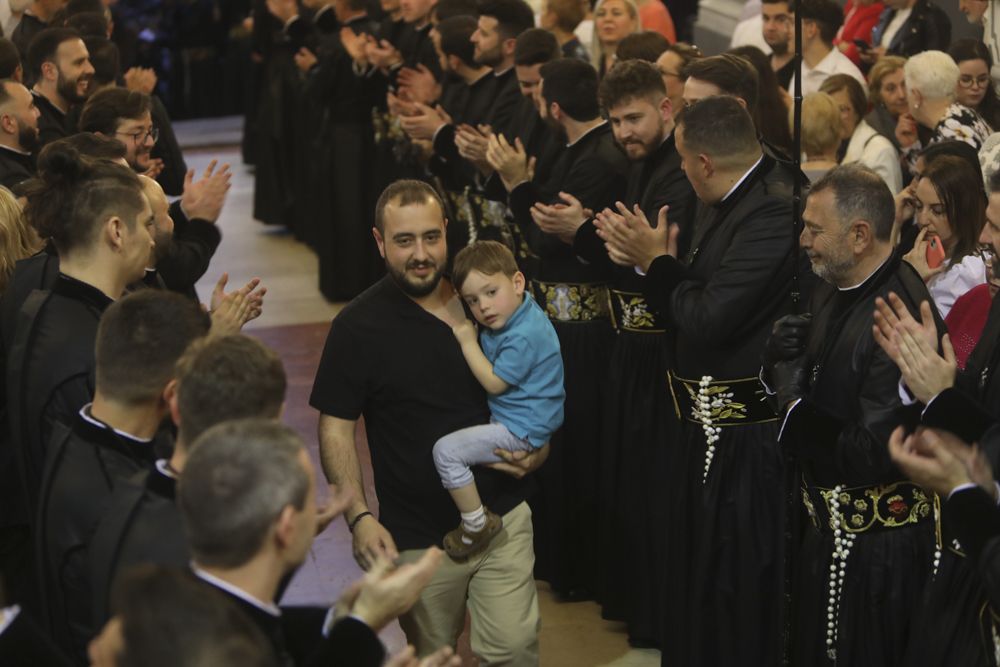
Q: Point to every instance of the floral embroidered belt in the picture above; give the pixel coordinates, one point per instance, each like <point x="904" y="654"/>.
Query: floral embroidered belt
<point x="866" y="508"/>
<point x="721" y="402"/>
<point x="386" y="126"/>
<point x="572" y="302"/>
<point x="631" y="312"/>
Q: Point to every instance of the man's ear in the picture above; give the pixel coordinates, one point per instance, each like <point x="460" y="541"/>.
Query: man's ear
<point x="8" y="123"/>
<point x="114" y="227"/>
<point x="707" y="166"/>
<point x="862" y="235"/>
<point x="170" y="398"/>
<point x="379" y="241"/>
<point x="50" y="71"/>
<point x="508" y="46"/>
<point x="454" y="62"/>
<point x="284" y="527"/>
<point x="666" y="109"/>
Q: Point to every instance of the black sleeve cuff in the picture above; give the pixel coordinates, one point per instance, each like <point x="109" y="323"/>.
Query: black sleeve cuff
<point x="352" y="642"/>
<point x="975" y="519"/>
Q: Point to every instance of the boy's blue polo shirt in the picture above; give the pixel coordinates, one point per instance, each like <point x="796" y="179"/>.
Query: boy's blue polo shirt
<point x="525" y="354"/>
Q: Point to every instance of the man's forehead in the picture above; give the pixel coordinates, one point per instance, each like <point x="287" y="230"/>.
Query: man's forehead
<point x="631" y="106"/>
<point x="125" y="124"/>
<point x="488" y="23"/>
<point x="774" y="8"/>
<point x="72" y="48"/>
<point x="413" y="218"/>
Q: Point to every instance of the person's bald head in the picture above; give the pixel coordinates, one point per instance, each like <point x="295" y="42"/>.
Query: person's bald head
<point x="18" y="117"/>
<point x="163" y="224"/>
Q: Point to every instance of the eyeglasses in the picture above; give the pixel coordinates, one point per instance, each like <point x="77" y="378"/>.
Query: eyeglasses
<point x="139" y="137"/>
<point x="968" y="81"/>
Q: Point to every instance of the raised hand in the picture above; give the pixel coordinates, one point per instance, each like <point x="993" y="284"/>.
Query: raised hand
<point x="420" y="84"/>
<point x="917" y="257"/>
<point x="510" y="162"/>
<point x="305" y="59"/>
<point x="629" y="238"/>
<point x="231" y="310"/>
<point x="203" y="199"/>
<point x="423" y="123"/>
<point x="893" y="316"/>
<point x="925" y="372"/>
<point x="562" y="220"/>
<point x="354" y="44"/>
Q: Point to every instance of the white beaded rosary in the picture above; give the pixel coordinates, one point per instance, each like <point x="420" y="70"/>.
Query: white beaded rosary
<point x="843" y="540"/>
<point x="703" y="413"/>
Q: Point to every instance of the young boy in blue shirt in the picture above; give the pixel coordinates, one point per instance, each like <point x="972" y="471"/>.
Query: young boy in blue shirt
<point x="519" y="364"/>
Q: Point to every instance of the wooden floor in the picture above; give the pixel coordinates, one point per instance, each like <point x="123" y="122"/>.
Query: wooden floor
<point x="294" y="324"/>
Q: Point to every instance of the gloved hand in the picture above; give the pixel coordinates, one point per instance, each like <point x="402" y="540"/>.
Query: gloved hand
<point x="791" y="380"/>
<point x="787" y="339"/>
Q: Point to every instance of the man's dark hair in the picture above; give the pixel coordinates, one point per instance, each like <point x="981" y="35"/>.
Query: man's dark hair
<point x="95" y="146"/>
<point x="139" y="340"/>
<point x="455" y="34"/>
<point x="106" y="108"/>
<point x="629" y="80"/>
<point x="572" y="84"/>
<point x="513" y="16"/>
<point x="733" y="75"/>
<point x="826" y="14"/>
<point x="43" y="47"/>
<point x="790" y="3"/>
<point x="89" y="24"/>
<point x="569" y="13"/>
<point x="647" y="45"/>
<point x="721" y="128"/>
<point x="227" y="377"/>
<point x="688" y="53"/>
<point x="446" y="9"/>
<point x="74" y="7"/>
<point x="405" y="192"/>
<point x="10" y="59"/>
<point x="860" y="194"/>
<point x="238" y="479"/>
<point x="955" y="148"/>
<point x="536" y="47"/>
<point x="5" y="95"/>
<point x="170" y="618"/>
<point x="105" y="59"/>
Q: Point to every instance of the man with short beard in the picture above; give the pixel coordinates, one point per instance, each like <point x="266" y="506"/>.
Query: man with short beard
<point x="59" y="63"/>
<point x="778" y="17"/>
<point x="391" y="357"/>
<point x="18" y="134"/>
<point x="870" y="546"/>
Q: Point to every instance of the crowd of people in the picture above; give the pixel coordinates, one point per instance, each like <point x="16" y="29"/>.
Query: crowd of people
<point x="599" y="320"/>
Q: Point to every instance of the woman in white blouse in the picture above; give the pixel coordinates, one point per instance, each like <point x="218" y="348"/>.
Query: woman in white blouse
<point x="951" y="209"/>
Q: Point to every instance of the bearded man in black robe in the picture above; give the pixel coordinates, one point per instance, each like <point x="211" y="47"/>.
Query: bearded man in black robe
<point x="868" y="551"/>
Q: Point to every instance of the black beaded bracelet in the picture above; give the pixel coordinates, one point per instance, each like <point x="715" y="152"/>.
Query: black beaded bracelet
<point x="355" y="520"/>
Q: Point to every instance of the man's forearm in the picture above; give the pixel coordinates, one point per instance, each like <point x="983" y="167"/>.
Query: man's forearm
<point x="339" y="458"/>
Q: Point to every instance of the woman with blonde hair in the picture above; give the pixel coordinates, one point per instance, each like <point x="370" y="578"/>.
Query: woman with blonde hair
<point x="614" y="20"/>
<point x="820" y="134"/>
<point x="17" y="239"/>
<point x="887" y="96"/>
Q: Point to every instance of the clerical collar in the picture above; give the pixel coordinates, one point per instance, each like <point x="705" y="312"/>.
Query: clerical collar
<point x="267" y="607"/>
<point x="867" y="278"/>
<point x="743" y="178"/>
<point x="496" y="73"/>
<point x="323" y="10"/>
<point x="167" y="470"/>
<point x="580" y="138"/>
<point x="90" y="419"/>
<point x="15" y="151"/>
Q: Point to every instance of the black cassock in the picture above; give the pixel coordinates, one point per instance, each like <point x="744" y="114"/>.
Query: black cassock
<point x="639" y="429"/>
<point x="724" y="520"/>
<point x="15" y="167"/>
<point x="23" y="643"/>
<point x="574" y="296"/>
<point x="839" y="431"/>
<point x="84" y="465"/>
<point x="953" y="623"/>
<point x="142" y="524"/>
<point x="297" y="635"/>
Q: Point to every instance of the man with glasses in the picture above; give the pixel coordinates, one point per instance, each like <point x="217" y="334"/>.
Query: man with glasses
<point x="59" y="65"/>
<point x="125" y="115"/>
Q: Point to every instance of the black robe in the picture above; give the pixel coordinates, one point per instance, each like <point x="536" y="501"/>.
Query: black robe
<point x="52" y="123"/>
<point x="953" y="623"/>
<point x="724" y="565"/>
<point x="83" y="467"/>
<point x="639" y="432"/>
<point x="193" y="245"/>
<point x="22" y="644"/>
<point x="27" y="28"/>
<point x="167" y="148"/>
<point x="15" y="167"/>
<point x="142" y="524"/>
<point x="297" y="637"/>
<point x="566" y="544"/>
<point x="838" y="432"/>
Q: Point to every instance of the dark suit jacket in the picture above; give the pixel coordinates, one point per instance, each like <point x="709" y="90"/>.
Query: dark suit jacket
<point x="52" y="122"/>
<point x="194" y="244"/>
<point x="927" y="28"/>
<point x="15" y="168"/>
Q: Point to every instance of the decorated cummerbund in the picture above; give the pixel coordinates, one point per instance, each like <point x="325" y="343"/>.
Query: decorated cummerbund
<point x="631" y="312"/>
<point x="868" y="508"/>
<point x="721" y="402"/>
<point x="572" y="302"/>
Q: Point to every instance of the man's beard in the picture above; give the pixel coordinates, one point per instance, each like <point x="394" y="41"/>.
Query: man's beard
<point x="648" y="148"/>
<point x="554" y="125"/>
<point x="27" y="137"/>
<point x="68" y="90"/>
<point x="411" y="288"/>
<point x="778" y="49"/>
<point x="833" y="269"/>
<point x="490" y="58"/>
<point x="164" y="244"/>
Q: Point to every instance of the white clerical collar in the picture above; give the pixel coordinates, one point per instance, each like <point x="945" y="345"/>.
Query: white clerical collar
<point x="877" y="269"/>
<point x="14" y="150"/>
<point x="322" y="10"/>
<point x="601" y="124"/>
<point x="267" y="607"/>
<point x="743" y="178"/>
<point x="496" y="73"/>
<point x="85" y="413"/>
<point x="163" y="465"/>
<point x="8" y="616"/>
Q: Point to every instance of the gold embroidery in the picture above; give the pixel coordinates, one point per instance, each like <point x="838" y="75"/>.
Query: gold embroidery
<point x="885" y="506"/>
<point x="631" y="312"/>
<point x="573" y="302"/>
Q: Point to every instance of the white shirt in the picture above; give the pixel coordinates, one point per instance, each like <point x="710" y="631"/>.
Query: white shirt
<point x="991" y="24"/>
<point x="834" y="62"/>
<point x="956" y="280"/>
<point x="267" y="607"/>
<point x="894" y="25"/>
<point x="874" y="151"/>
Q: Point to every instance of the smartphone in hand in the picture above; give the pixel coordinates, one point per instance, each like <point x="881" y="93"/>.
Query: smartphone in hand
<point x="935" y="252"/>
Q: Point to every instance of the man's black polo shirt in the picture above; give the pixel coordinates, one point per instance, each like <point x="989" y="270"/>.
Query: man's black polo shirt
<point x="400" y="367"/>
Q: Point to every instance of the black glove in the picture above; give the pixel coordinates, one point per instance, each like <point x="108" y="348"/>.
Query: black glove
<point x="791" y="380"/>
<point x="787" y="340"/>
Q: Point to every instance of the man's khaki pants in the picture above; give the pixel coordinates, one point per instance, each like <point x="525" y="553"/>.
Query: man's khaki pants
<point x="499" y="587"/>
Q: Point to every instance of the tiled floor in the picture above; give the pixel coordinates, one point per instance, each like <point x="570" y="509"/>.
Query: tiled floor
<point x="294" y="323"/>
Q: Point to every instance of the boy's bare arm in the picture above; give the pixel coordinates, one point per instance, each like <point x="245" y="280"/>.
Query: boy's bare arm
<point x="478" y="363"/>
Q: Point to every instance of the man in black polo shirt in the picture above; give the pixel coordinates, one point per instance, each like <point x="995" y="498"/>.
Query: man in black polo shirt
<point x="392" y="358"/>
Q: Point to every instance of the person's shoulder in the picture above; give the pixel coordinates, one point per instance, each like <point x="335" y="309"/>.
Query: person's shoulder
<point x="374" y="301"/>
